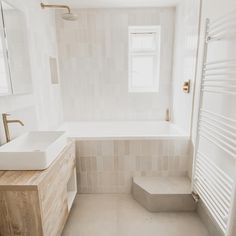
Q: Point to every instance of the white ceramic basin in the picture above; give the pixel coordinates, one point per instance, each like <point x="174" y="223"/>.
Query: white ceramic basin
<point x="32" y="151"/>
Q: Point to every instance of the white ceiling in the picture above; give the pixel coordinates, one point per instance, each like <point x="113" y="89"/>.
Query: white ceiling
<point x="115" y="3"/>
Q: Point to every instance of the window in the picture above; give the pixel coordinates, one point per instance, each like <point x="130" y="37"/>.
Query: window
<point x="144" y="58"/>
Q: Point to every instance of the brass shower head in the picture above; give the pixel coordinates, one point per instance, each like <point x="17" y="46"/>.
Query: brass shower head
<point x="66" y="16"/>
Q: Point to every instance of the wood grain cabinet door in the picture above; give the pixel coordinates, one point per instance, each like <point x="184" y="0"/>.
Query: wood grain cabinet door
<point x="53" y="194"/>
<point x="20" y="213"/>
<point x="38" y="208"/>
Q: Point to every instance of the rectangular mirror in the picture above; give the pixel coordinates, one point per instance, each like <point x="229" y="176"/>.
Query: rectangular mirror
<point x="14" y="53"/>
<point x="5" y="83"/>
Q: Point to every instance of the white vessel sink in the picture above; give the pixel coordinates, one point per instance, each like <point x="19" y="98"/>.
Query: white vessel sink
<point x="32" y="151"/>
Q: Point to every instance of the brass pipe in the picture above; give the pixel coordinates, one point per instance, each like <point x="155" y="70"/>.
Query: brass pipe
<point x="55" y="6"/>
<point x="6" y="127"/>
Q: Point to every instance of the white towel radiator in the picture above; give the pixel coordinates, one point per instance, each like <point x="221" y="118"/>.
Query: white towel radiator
<point x="215" y="150"/>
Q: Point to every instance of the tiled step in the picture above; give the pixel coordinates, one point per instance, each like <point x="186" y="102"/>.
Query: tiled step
<point x="163" y="194"/>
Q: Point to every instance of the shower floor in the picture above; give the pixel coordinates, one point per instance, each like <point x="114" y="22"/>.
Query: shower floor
<point x="121" y="215"/>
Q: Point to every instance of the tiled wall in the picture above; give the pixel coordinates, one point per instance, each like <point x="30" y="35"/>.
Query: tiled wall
<point x="93" y="55"/>
<point x="107" y="166"/>
<point x="185" y="56"/>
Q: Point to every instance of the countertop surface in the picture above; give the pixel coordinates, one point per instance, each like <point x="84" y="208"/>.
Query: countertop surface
<point x="26" y="177"/>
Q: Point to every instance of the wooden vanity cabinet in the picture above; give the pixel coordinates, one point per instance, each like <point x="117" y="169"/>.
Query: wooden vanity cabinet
<point x="37" y="203"/>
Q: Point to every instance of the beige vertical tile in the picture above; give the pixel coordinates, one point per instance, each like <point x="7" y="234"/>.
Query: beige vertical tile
<point x="121" y="178"/>
<point x="99" y="161"/>
<point x="103" y="173"/>
<point x="101" y="36"/>
<point x="164" y="163"/>
<point x="108" y="163"/>
<point x="107" y="148"/>
<point x="83" y="162"/>
<point x="138" y="163"/>
<point x="122" y="163"/>
<point x="99" y="179"/>
<point x="121" y="147"/>
<point x="93" y="163"/>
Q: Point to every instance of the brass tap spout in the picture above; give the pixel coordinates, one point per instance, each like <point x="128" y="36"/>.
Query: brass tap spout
<point x="6" y="121"/>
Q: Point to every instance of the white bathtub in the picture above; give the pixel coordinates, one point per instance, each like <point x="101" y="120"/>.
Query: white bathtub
<point x="127" y="130"/>
<point x="115" y="152"/>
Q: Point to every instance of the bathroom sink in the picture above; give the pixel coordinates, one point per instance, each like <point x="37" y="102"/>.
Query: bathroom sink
<point x="32" y="151"/>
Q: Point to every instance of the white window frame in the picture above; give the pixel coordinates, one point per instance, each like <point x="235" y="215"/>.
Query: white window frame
<point x="152" y="52"/>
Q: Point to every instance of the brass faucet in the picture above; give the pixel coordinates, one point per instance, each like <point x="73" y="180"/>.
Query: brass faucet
<point x="6" y="122"/>
<point x="167" y="115"/>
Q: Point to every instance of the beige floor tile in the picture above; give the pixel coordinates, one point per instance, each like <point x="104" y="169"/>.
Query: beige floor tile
<point x="120" y="215"/>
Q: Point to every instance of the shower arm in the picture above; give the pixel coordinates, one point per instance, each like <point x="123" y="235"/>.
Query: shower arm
<point x="55" y="6"/>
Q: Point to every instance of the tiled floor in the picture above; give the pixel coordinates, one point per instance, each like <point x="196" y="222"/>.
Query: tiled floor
<point x="121" y="215"/>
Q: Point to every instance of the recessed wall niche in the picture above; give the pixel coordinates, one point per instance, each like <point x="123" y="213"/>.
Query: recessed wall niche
<point x="54" y="70"/>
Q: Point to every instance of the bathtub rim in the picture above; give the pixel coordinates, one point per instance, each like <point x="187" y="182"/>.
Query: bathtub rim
<point x="75" y="135"/>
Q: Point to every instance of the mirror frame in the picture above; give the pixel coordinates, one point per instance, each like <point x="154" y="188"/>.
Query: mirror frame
<point x="19" y="82"/>
<point x="3" y="37"/>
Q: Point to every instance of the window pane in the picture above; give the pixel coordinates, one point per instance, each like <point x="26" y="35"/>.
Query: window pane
<point x="142" y="74"/>
<point x="144" y="54"/>
<point x="144" y="41"/>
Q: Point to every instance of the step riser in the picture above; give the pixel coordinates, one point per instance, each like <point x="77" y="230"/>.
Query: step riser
<point x="163" y="202"/>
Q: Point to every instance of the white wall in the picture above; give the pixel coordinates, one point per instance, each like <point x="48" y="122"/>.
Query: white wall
<point x="94" y="65"/>
<point x="185" y="53"/>
<point x="42" y="108"/>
